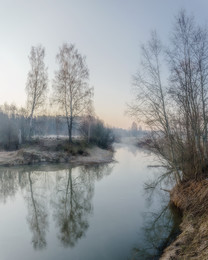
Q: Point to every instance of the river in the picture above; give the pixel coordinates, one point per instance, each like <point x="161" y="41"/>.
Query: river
<point x="86" y="212"/>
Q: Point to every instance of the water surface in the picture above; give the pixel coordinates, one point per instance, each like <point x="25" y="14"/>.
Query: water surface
<point x="86" y="212"/>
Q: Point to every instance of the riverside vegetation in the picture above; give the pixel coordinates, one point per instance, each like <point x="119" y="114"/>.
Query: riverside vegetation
<point x="170" y="97"/>
<point x="43" y="148"/>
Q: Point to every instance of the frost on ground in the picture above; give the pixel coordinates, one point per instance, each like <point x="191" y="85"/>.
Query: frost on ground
<point x="53" y="151"/>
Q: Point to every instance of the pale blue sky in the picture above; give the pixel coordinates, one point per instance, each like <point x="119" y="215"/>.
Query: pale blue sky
<point x="108" y="32"/>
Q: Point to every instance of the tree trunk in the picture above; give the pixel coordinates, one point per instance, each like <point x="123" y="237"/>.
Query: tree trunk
<point x="68" y="126"/>
<point x="70" y="129"/>
<point x="30" y="128"/>
<point x="31" y="119"/>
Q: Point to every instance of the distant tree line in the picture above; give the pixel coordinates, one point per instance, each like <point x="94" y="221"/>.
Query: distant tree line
<point x="15" y="127"/>
<point x="171" y="98"/>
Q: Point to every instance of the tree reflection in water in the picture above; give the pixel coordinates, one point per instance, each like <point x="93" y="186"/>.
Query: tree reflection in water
<point x="160" y="227"/>
<point x="71" y="204"/>
<point x="67" y="193"/>
<point x="72" y="201"/>
<point x="37" y="209"/>
<point x="8" y="184"/>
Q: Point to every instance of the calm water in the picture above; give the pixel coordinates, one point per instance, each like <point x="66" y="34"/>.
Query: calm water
<point x="90" y="213"/>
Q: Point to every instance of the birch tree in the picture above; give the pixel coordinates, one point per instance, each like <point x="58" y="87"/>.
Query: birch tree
<point x="71" y="89"/>
<point x="188" y="62"/>
<point x="174" y="104"/>
<point x="151" y="104"/>
<point x="37" y="79"/>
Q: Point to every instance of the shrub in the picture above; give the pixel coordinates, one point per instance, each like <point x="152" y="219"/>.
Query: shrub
<point x="95" y="132"/>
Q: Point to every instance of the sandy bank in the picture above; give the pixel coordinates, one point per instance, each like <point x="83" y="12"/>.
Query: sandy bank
<point x="192" y="243"/>
<point x="46" y="154"/>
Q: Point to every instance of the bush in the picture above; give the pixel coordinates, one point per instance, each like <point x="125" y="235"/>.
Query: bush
<point x="95" y="132"/>
<point x="75" y="148"/>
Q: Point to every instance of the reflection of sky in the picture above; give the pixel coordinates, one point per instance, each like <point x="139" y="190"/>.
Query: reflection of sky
<point x="107" y="32"/>
<point x="115" y="219"/>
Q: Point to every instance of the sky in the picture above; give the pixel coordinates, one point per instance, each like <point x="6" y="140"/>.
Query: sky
<point x="108" y="32"/>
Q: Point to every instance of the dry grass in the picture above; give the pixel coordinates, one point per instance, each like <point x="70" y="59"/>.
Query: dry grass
<point x="191" y="197"/>
<point x="192" y="243"/>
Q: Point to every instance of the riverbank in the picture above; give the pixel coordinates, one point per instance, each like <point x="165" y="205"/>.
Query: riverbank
<point x="55" y="151"/>
<point x="192" y="243"/>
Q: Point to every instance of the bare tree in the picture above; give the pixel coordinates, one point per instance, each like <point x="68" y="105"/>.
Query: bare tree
<point x="176" y="112"/>
<point x="150" y="104"/>
<point x="71" y="90"/>
<point x="188" y="61"/>
<point x="37" y="80"/>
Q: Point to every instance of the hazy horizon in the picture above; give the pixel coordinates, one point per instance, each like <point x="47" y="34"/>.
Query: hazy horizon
<point x="108" y="33"/>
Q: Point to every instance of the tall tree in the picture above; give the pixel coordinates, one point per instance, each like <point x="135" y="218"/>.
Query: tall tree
<point x="71" y="89"/>
<point x="37" y="80"/>
<point x="176" y="109"/>
<point x="188" y="61"/>
<point x="150" y="104"/>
